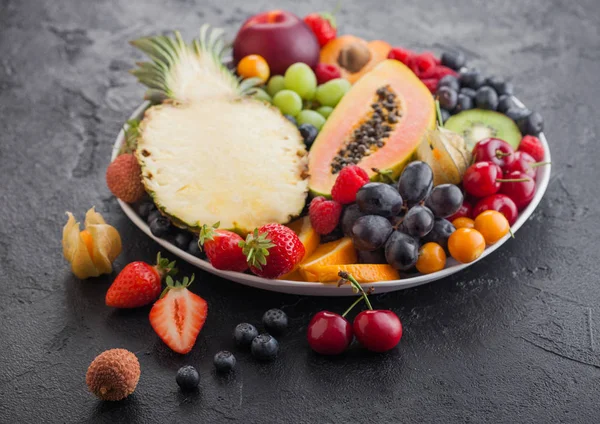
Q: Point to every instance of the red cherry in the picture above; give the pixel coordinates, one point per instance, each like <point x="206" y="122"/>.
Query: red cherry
<point x="329" y="333"/>
<point x="498" y="202"/>
<point x="378" y="330"/>
<point x="524" y="163"/>
<point x="464" y="211"/>
<point x="494" y="150"/>
<point x="481" y="179"/>
<point x="521" y="192"/>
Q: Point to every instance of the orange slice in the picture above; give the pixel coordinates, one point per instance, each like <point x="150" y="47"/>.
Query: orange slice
<point x="339" y="252"/>
<point x="309" y="238"/>
<point x="364" y="273"/>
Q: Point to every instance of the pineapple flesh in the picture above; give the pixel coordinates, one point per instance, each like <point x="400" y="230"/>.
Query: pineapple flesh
<point x="234" y="161"/>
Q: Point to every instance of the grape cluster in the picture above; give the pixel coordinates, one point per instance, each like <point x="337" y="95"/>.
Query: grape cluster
<point x="392" y="221"/>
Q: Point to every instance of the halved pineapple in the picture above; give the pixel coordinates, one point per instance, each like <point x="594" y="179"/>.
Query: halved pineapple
<point x="236" y="161"/>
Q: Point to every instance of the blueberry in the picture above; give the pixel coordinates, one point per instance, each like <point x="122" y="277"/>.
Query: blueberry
<point x="224" y="361"/>
<point x="444" y="114"/>
<point x="468" y="92"/>
<point x="374" y="257"/>
<point x="182" y="240"/>
<point x="349" y="216"/>
<point x="446" y="97"/>
<point x="499" y="85"/>
<point x="309" y="133"/>
<point x="444" y="200"/>
<point x="244" y="334"/>
<point x="401" y="251"/>
<point x="471" y="78"/>
<point x="379" y="199"/>
<point x="453" y="60"/>
<point x="291" y="119"/>
<point x="187" y="378"/>
<point x="415" y="183"/>
<point x="145" y="208"/>
<point x="463" y="102"/>
<point x="160" y="227"/>
<point x="275" y="321"/>
<point x="532" y="125"/>
<point x="264" y="347"/>
<point x="152" y="216"/>
<point x="442" y="228"/>
<point x="449" y="81"/>
<point x="193" y="248"/>
<point x="418" y="221"/>
<point x="517" y="114"/>
<point x="505" y="102"/>
<point x="370" y="232"/>
<point x="486" y="98"/>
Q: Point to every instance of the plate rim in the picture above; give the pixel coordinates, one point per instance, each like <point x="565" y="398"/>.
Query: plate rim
<point x="331" y="289"/>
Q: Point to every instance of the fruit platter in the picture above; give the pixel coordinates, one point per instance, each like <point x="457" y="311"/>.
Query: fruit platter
<point x="288" y="154"/>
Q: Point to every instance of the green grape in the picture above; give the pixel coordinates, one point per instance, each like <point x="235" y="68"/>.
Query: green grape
<point x="311" y="117"/>
<point x="325" y="111"/>
<point x="261" y="94"/>
<point x="275" y="85"/>
<point x="330" y="93"/>
<point x="288" y="102"/>
<point x="301" y="79"/>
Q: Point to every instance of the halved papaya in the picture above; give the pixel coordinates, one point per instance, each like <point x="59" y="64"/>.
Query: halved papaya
<point x="379" y="124"/>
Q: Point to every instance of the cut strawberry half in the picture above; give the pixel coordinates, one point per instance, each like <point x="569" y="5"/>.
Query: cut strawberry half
<point x="179" y="315"/>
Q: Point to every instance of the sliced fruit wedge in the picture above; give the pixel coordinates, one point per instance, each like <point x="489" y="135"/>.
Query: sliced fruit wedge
<point x="364" y="273"/>
<point x="339" y="252"/>
<point x="309" y="238"/>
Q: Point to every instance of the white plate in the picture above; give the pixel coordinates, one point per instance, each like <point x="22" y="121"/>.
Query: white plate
<point x="320" y="289"/>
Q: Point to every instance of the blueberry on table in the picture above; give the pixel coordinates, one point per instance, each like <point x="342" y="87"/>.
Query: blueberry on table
<point x="506" y="102"/>
<point x="187" y="378"/>
<point x="453" y="60"/>
<point x="275" y="321"/>
<point x="264" y="347"/>
<point x="224" y="361"/>
<point x="471" y="78"/>
<point x="449" y="81"/>
<point x="447" y="97"/>
<point x="145" y="208"/>
<point x="309" y="133"/>
<point x="463" y="102"/>
<point x="486" y="98"/>
<point x="244" y="333"/>
<point x="160" y="227"/>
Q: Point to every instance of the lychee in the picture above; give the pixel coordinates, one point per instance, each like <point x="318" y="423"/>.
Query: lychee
<point x="113" y="375"/>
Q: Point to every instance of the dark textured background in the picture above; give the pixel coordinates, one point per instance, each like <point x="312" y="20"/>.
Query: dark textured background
<point x="515" y="338"/>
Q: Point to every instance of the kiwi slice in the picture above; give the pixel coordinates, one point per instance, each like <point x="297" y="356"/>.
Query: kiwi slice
<point x="477" y="124"/>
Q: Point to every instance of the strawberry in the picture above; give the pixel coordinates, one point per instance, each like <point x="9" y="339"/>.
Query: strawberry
<point x="326" y="72"/>
<point x="223" y="249"/>
<point x="179" y="315"/>
<point x="532" y="145"/>
<point x="272" y="250"/>
<point x="139" y="283"/>
<point x="403" y="55"/>
<point x="324" y="214"/>
<point x="323" y="26"/>
<point x="347" y="183"/>
<point x="123" y="178"/>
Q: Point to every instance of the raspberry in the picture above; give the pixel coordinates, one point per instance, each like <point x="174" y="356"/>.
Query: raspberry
<point x="425" y="61"/>
<point x="403" y="55"/>
<point x="413" y="65"/>
<point x="349" y="180"/>
<point x="430" y="83"/>
<point x="325" y="72"/>
<point x="532" y="145"/>
<point x="437" y="72"/>
<point x="324" y="214"/>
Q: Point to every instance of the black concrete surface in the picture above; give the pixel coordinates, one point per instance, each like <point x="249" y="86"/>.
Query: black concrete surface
<point x="514" y="338"/>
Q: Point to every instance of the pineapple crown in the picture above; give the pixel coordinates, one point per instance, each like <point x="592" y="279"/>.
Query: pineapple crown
<point x="172" y="284"/>
<point x="173" y="60"/>
<point x="256" y="248"/>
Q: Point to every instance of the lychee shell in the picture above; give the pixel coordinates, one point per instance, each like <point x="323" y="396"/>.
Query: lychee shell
<point x="113" y="375"/>
<point x="123" y="178"/>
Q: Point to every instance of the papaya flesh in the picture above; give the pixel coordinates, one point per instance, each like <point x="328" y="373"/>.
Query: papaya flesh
<point x="378" y="124"/>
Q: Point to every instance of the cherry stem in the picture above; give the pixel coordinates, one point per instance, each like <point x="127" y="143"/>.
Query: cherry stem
<point x="357" y="286"/>
<point x="511" y="232"/>
<point x="356" y="302"/>
<point x="535" y="165"/>
<point x="513" y="180"/>
<point x="501" y="154"/>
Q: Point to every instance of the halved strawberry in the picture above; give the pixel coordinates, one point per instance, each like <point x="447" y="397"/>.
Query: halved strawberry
<point x="179" y="315"/>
